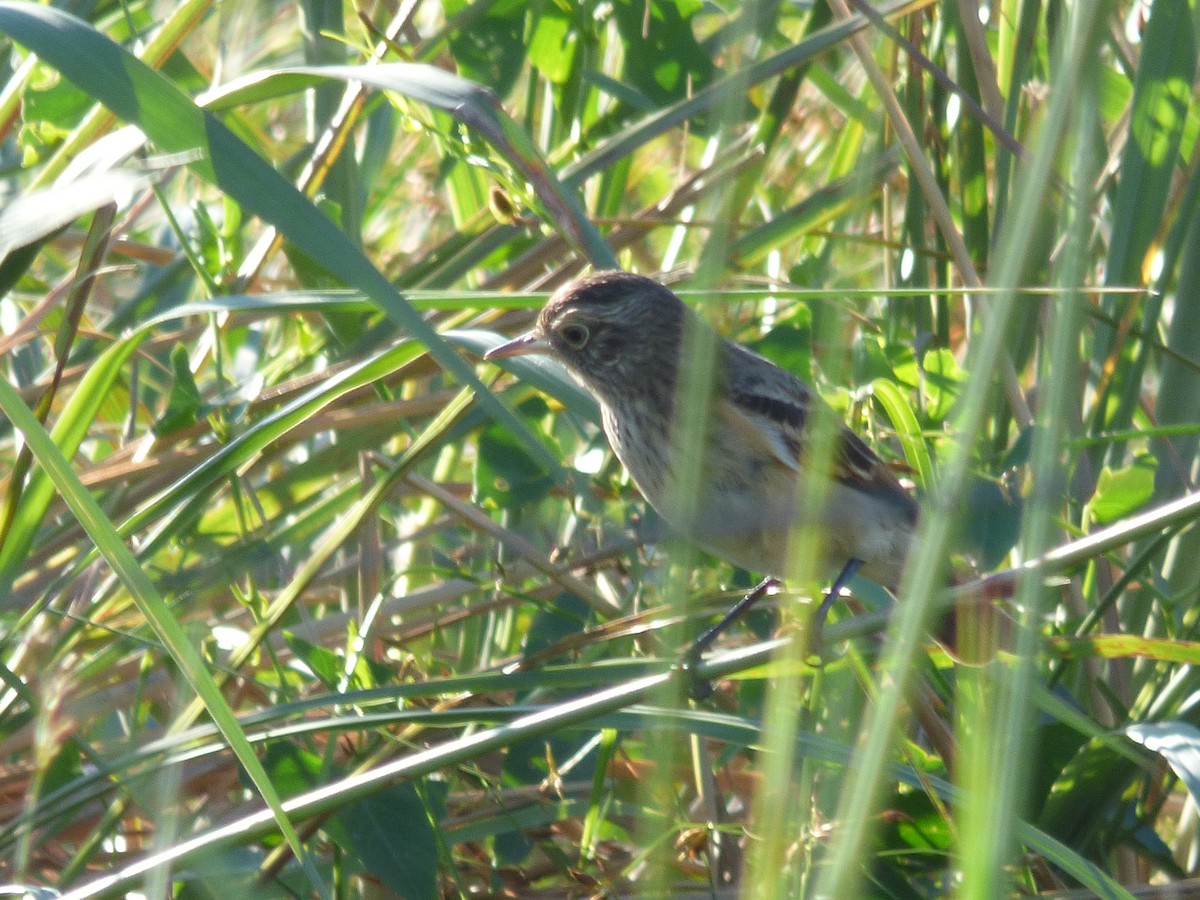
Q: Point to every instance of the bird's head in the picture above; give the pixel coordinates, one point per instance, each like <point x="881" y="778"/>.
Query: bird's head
<point x="611" y="329"/>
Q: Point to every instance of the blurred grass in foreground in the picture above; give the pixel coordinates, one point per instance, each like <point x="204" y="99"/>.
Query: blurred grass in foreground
<point x="442" y="618"/>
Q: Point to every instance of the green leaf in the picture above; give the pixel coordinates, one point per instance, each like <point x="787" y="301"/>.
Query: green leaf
<point x="912" y="822"/>
<point x="790" y="346"/>
<point x="64" y="768"/>
<point x="1179" y="745"/>
<point x="553" y="43"/>
<point x="943" y="380"/>
<point x="489" y="48"/>
<point x="565" y="616"/>
<point x="1120" y="492"/>
<point x="663" y="59"/>
<point x="908" y="430"/>
<point x="391" y="834"/>
<point x="151" y="605"/>
<point x="505" y="473"/>
<point x="1161" y="96"/>
<point x="198" y="481"/>
<point x="52" y="100"/>
<point x="293" y="770"/>
<point x="992" y="522"/>
<point x="173" y="121"/>
<point x="72" y="425"/>
<point x="184" y="402"/>
<point x="34" y="215"/>
<point x="325" y="664"/>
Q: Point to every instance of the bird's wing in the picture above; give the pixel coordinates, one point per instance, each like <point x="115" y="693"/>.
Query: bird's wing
<point x="782" y="410"/>
<point x="772" y="423"/>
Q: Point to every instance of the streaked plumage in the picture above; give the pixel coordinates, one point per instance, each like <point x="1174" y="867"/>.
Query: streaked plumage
<point x="622" y="336"/>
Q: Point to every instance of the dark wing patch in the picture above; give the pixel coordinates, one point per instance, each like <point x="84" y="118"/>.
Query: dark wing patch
<point x="857" y="456"/>
<point x="855" y="464"/>
<point x="785" y="412"/>
<point x="861" y="469"/>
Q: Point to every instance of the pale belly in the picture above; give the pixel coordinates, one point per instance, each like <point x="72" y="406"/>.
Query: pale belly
<point x="750" y="510"/>
<point x="769" y="537"/>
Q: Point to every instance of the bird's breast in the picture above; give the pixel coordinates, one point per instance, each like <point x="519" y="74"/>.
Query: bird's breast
<point x="641" y="440"/>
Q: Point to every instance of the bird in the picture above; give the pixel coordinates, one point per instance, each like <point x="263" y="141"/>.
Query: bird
<point x="627" y="340"/>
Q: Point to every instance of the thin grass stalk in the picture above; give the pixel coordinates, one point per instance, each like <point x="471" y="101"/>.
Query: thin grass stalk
<point x="151" y="604"/>
<point x="996" y="785"/>
<point x="781" y="816"/>
<point x="856" y="811"/>
<point x="182" y="21"/>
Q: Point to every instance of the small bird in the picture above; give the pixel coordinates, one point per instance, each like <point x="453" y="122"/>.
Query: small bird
<point x="623" y="337"/>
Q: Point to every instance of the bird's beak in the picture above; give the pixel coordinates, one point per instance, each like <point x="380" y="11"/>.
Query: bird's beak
<point x="527" y="343"/>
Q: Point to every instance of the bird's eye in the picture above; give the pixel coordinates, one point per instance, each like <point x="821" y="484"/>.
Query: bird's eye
<point x="575" y="335"/>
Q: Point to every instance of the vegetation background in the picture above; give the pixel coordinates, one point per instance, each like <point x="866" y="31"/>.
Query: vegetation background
<point x="294" y="603"/>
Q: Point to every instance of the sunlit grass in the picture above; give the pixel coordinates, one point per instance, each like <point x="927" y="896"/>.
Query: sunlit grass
<point x="444" y="619"/>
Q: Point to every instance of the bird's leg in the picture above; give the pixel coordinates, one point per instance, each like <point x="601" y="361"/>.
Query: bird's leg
<point x="701" y="689"/>
<point x="835" y="591"/>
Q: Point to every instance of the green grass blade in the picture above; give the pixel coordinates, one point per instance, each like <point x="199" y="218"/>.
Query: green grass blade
<point x="142" y="96"/>
<point x="151" y="605"/>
